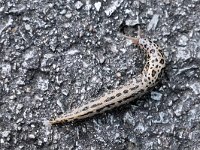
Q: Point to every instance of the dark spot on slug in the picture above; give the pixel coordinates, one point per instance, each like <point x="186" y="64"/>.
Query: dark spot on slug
<point x="127" y="98"/>
<point x="141" y="91"/>
<point x="120" y="101"/>
<point x="112" y="97"/>
<point x="153" y="73"/>
<point x="161" y="73"/>
<point x="109" y="99"/>
<point x="156" y="66"/>
<point x="134" y="88"/>
<point x="161" y="52"/>
<point x="108" y="106"/>
<point x="70" y="118"/>
<point x="162" y="61"/>
<point x="147" y="66"/>
<point x="74" y="120"/>
<point x="118" y="94"/>
<point x="95" y="105"/>
<point x="152" y="51"/>
<point x="85" y="108"/>
<point x="125" y="91"/>
<point x="86" y="113"/>
<point x="100" y="109"/>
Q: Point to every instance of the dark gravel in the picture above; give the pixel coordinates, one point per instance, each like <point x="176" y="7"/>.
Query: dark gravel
<point x="55" y="56"/>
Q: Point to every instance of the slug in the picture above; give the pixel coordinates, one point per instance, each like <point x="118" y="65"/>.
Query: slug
<point x="138" y="86"/>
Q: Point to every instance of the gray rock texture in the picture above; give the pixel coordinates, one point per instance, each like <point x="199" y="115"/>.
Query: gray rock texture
<point x="58" y="55"/>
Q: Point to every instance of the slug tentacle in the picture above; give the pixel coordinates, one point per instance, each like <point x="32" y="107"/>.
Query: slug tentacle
<point x="155" y="63"/>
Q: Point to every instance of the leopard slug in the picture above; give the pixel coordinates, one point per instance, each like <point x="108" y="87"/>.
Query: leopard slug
<point x="152" y="71"/>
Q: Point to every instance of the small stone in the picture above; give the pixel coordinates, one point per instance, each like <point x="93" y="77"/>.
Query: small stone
<point x="113" y="48"/>
<point x="40" y="142"/>
<point x="118" y="74"/>
<point x="156" y="96"/>
<point x="69" y="15"/>
<point x="2" y="141"/>
<point x="73" y="51"/>
<point x="88" y="5"/>
<point x="47" y="60"/>
<point x="132" y="22"/>
<point x="117" y="135"/>
<point x="123" y="50"/>
<point x="63" y="12"/>
<point x="21" y="146"/>
<point x="178" y="110"/>
<point x="114" y="5"/>
<point x="13" y="97"/>
<point x="97" y="6"/>
<point x="153" y="23"/>
<point x="5" y="133"/>
<point x="31" y="136"/>
<point x="20" y="106"/>
<point x="78" y="4"/>
<point x="45" y="139"/>
<point x="19" y="120"/>
<point x="5" y="69"/>
<point x="31" y="59"/>
<point x="140" y="128"/>
<point x="183" y="53"/>
<point x="150" y="12"/>
<point x="1" y="9"/>
<point x="27" y="26"/>
<point x="101" y="58"/>
<point x="183" y="40"/>
<point x="195" y="87"/>
<point x="129" y="118"/>
<point x="43" y="84"/>
<point x="65" y="92"/>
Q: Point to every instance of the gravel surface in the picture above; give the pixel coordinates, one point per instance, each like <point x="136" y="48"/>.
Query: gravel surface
<point x="56" y="56"/>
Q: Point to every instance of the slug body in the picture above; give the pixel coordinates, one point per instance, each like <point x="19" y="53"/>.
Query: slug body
<point x="155" y="63"/>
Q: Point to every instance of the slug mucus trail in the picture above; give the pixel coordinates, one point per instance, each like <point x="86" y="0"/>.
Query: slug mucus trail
<point x="152" y="71"/>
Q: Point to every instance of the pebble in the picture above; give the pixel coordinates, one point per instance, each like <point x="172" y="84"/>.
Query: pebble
<point x="78" y="4"/>
<point x="42" y="84"/>
<point x="97" y="5"/>
<point x="5" y="134"/>
<point x="31" y="136"/>
<point x="114" y="5"/>
<point x="183" y="40"/>
<point x="153" y="23"/>
<point x="156" y="96"/>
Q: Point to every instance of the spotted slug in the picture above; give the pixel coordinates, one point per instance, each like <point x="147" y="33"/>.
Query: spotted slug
<point x="152" y="72"/>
